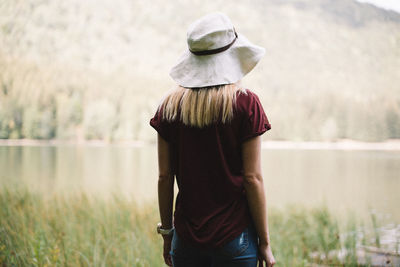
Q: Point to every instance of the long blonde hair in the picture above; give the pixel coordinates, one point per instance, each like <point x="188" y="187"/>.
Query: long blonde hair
<point x="200" y="107"/>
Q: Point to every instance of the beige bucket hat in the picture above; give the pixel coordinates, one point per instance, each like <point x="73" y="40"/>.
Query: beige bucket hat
<point x="216" y="54"/>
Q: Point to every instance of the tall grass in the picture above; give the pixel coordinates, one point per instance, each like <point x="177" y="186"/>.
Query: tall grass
<point x="82" y="230"/>
<point x="76" y="231"/>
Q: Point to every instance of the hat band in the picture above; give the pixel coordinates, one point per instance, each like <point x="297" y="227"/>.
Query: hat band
<point x="214" y="51"/>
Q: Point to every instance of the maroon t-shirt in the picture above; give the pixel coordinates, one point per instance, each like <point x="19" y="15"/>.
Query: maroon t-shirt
<point x="211" y="206"/>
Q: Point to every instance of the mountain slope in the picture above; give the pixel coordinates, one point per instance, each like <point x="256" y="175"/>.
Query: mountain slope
<point x="332" y="67"/>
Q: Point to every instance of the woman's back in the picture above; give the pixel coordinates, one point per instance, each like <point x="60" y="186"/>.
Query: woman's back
<point x="211" y="206"/>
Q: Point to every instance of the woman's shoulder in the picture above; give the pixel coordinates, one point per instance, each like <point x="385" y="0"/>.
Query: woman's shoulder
<point x="245" y="98"/>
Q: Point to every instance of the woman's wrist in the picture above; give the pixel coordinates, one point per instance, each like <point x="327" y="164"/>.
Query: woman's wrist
<point x="167" y="237"/>
<point x="164" y="231"/>
<point x="264" y="241"/>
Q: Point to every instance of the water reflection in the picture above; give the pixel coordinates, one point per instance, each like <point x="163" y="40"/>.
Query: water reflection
<point x="131" y="172"/>
<point x="344" y="180"/>
<point x="347" y="181"/>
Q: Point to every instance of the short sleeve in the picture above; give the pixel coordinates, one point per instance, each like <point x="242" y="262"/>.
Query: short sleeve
<point x="160" y="125"/>
<point x="255" y="121"/>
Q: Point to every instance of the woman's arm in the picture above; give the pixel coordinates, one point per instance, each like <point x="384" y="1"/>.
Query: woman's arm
<point x="165" y="183"/>
<point x="254" y="186"/>
<point x="165" y="193"/>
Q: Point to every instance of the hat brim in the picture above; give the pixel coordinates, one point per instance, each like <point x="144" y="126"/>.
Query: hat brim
<point x="225" y="67"/>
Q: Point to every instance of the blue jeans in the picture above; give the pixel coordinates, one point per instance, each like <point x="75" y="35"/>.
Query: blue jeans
<point x="242" y="251"/>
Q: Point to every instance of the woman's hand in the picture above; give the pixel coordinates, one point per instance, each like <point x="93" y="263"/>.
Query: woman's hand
<point x="265" y="255"/>
<point x="167" y="249"/>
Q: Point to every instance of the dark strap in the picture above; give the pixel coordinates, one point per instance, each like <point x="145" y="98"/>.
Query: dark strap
<point x="214" y="51"/>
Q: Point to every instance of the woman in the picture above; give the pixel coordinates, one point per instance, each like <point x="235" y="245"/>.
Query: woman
<point x="209" y="132"/>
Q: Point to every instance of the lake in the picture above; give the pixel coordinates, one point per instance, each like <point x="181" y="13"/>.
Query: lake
<point x="355" y="181"/>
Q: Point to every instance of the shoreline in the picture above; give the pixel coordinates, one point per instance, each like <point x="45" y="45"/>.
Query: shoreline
<point x="343" y="144"/>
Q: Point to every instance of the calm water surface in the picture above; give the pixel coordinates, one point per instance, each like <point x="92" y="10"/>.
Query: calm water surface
<point x="347" y="181"/>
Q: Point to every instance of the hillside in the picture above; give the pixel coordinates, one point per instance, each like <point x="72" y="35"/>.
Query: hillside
<point x="96" y="69"/>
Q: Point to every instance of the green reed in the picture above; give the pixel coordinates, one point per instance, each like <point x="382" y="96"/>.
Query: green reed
<point x="82" y="230"/>
<point x="76" y="231"/>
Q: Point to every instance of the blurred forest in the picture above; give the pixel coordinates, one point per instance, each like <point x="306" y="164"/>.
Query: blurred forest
<point x="96" y="69"/>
